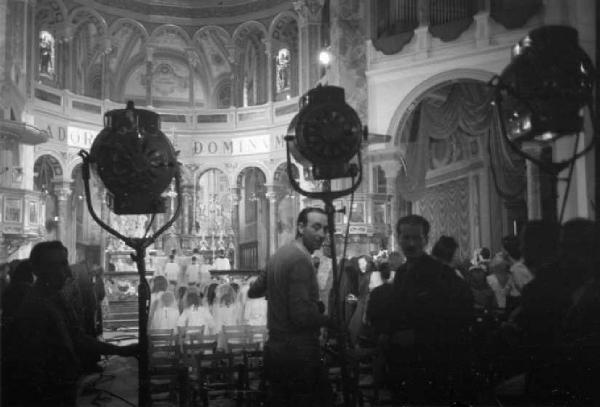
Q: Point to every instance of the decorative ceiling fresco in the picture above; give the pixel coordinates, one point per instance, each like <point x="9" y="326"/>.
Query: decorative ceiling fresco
<point x="116" y="57"/>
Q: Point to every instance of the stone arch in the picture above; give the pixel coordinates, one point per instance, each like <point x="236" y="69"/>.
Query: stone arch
<point x="223" y="84"/>
<point x="173" y="29"/>
<point x="281" y="170"/>
<point x="81" y="14"/>
<point x="247" y="28"/>
<point x="280" y="21"/>
<point x="125" y="20"/>
<point x="253" y="164"/>
<point x="48" y="161"/>
<point x="411" y="100"/>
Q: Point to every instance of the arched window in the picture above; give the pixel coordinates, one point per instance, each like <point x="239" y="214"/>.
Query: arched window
<point x="47" y="54"/>
<point x="282" y="68"/>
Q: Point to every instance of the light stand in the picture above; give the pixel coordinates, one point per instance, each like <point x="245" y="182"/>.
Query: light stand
<point x="136" y="162"/>
<point x="327" y="133"/>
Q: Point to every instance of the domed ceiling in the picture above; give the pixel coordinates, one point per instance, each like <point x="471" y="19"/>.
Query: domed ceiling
<point x="182" y="53"/>
<point x="185" y="9"/>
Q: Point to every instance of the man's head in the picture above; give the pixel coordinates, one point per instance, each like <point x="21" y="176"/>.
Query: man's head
<point x="413" y="232"/>
<point x="50" y="264"/>
<point x="311" y="227"/>
<point x="445" y="250"/>
<point x="511" y="246"/>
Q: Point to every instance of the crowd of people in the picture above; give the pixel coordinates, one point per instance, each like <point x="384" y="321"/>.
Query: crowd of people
<point x="212" y="303"/>
<point x="443" y="328"/>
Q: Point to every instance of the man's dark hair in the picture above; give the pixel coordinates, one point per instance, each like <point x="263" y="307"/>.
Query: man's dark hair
<point x="384" y="271"/>
<point x="35" y="256"/>
<point x="445" y="248"/>
<point x="415" y="220"/>
<point x="511" y="244"/>
<point x="193" y="258"/>
<point x="303" y="215"/>
<point x="485" y="253"/>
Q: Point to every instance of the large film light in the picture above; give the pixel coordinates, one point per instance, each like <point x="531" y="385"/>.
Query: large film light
<point x="326" y="134"/>
<point x="540" y="95"/>
<point x="134" y="159"/>
<point x="136" y="162"/>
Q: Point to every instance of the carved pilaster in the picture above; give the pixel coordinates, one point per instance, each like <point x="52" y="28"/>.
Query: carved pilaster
<point x="391" y="169"/>
<point x="269" y="53"/>
<point x="63" y="191"/>
<point x="149" y="69"/>
<point x="272" y="197"/>
<point x="309" y="24"/>
<point x="193" y="61"/>
<point x="235" y="218"/>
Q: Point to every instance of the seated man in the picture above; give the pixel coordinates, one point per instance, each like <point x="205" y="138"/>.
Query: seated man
<point x="45" y="348"/>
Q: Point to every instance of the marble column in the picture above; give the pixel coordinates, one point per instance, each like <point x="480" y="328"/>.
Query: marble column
<point x="106" y="57"/>
<point x="231" y="57"/>
<point x="187" y="192"/>
<point x="391" y="169"/>
<point x="272" y="197"/>
<point x="269" y="53"/>
<point x="235" y="221"/>
<point x="68" y="58"/>
<point x="149" y="69"/>
<point x="63" y="191"/>
<point x="192" y="59"/>
<point x="309" y="38"/>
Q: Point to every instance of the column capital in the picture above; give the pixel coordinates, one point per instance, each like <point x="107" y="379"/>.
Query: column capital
<point x="62" y="189"/>
<point x="192" y="57"/>
<point x="309" y="11"/>
<point x="231" y="56"/>
<point x="268" y="44"/>
<point x="271" y="193"/>
<point x="391" y="167"/>
<point x="149" y="53"/>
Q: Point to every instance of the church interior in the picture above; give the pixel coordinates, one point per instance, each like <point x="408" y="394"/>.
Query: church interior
<point x="226" y="80"/>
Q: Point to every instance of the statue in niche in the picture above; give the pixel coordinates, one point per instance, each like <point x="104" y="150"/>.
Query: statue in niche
<point x="283" y="69"/>
<point x="46" y="53"/>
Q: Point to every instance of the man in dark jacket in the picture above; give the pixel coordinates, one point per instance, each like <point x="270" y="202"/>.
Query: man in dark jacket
<point x="292" y="357"/>
<point x="430" y="317"/>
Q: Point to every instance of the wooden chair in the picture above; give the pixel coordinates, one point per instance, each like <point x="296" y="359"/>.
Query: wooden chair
<point x="257" y="333"/>
<point x="217" y="377"/>
<point x="165" y="369"/>
<point x="253" y="390"/>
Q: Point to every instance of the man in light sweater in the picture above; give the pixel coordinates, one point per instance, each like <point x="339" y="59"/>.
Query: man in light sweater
<point x="294" y="318"/>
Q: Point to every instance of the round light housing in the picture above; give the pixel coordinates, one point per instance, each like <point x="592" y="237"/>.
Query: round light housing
<point x="134" y="159"/>
<point x="542" y="91"/>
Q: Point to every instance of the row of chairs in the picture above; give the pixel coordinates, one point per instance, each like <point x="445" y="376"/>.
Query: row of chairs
<point x="189" y="366"/>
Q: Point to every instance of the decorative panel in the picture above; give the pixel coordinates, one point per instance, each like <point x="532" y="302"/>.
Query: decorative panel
<point x="446" y="206"/>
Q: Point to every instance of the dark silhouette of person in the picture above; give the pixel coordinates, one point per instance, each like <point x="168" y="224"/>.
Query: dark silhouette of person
<point x="292" y="354"/>
<point x="432" y="310"/>
<point x="21" y="281"/>
<point x="44" y="350"/>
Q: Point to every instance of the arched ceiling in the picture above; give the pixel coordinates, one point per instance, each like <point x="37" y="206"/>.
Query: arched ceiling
<point x="178" y="11"/>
